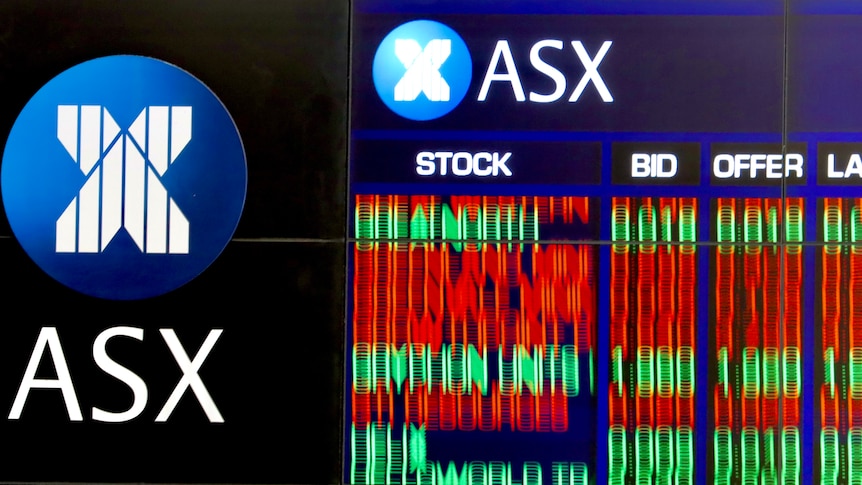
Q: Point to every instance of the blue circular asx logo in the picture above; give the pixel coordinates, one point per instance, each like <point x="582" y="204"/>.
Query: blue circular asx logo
<point x="422" y="70"/>
<point x="124" y="177"/>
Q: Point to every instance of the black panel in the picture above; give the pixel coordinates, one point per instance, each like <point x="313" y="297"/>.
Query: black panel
<point x="274" y="374"/>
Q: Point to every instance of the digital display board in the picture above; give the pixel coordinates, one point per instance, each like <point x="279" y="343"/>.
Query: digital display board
<point x="604" y="242"/>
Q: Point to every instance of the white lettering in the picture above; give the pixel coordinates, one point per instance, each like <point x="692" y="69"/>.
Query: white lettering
<point x="592" y="73"/>
<point x="793" y="163"/>
<point x="548" y="70"/>
<point x="502" y="51"/>
<point x="467" y="169"/>
<point x="444" y="157"/>
<point x="511" y="74"/>
<point x="425" y="163"/>
<point x="190" y="376"/>
<point x="489" y="167"/>
<point x="666" y="171"/>
<point x="500" y="164"/>
<point x="49" y="339"/>
<point x="654" y="165"/>
<point x="758" y="162"/>
<point x="129" y="378"/>
<point x="463" y="164"/>
<point x="750" y="165"/>
<point x="740" y="161"/>
<point x="773" y="166"/>
<point x="722" y="166"/>
<point x="830" y="168"/>
<point x="854" y="167"/>
<point x="641" y="166"/>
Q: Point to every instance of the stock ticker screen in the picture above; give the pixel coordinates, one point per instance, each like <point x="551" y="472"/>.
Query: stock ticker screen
<point x="605" y="242"/>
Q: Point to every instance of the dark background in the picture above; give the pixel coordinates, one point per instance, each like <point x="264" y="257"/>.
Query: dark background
<point x="280" y="68"/>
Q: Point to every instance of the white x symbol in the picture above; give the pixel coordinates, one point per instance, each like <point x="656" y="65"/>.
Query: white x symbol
<point x="123" y="186"/>
<point x="423" y="69"/>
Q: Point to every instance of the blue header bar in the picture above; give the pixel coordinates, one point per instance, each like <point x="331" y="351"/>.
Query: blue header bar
<point x="662" y="73"/>
<point x="574" y="7"/>
<point x="825" y="7"/>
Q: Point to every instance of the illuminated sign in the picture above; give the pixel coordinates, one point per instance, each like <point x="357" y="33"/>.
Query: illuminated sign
<point x="628" y="198"/>
<point x="165" y="258"/>
<point x="49" y="341"/>
<point x="423" y="68"/>
<point x="113" y="171"/>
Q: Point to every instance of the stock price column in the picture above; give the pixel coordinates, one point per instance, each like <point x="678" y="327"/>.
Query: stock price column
<point x="473" y="332"/>
<point x="653" y="319"/>
<point x="823" y="112"/>
<point x="838" y="344"/>
<point x="756" y="313"/>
